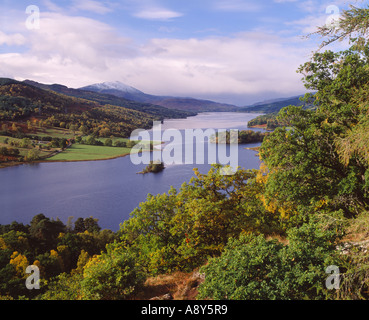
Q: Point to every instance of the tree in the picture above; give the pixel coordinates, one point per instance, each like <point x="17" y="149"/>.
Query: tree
<point x="32" y="155"/>
<point x="86" y="224"/>
<point x="305" y="165"/>
<point x="120" y="144"/>
<point x="63" y="287"/>
<point x="4" y="151"/>
<point x="73" y="128"/>
<point x="4" y="127"/>
<point x="104" y="132"/>
<point x="20" y="263"/>
<point x="10" y="284"/>
<point x="352" y="25"/>
<point x="18" y="241"/>
<point x="83" y="259"/>
<point x="108" y="142"/>
<point x="91" y="140"/>
<point x="253" y="268"/>
<point x="45" y="231"/>
<point x="49" y="264"/>
<point x="131" y="144"/>
<point x="83" y="129"/>
<point x="25" y="143"/>
<point x="111" y="276"/>
<point x="63" y="143"/>
<point x="180" y="229"/>
<point x="154" y="167"/>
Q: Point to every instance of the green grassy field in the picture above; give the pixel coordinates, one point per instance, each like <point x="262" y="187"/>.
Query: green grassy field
<point x="80" y="152"/>
<point x="77" y="152"/>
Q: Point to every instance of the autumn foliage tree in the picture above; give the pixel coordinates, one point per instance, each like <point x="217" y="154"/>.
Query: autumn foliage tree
<point x="180" y="229"/>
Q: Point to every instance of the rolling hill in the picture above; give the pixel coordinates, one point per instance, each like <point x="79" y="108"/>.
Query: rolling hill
<point x="270" y="110"/>
<point x="181" y="103"/>
<point x="157" y="111"/>
<point x="20" y="101"/>
<point x="273" y="106"/>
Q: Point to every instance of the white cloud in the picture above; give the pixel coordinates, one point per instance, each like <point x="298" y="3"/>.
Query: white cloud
<point x="100" y="7"/>
<point x="79" y="39"/>
<point x="51" y="6"/>
<point x="309" y="24"/>
<point x="12" y="39"/>
<point x="78" y="51"/>
<point x="92" y="6"/>
<point x="246" y="64"/>
<point x="157" y="14"/>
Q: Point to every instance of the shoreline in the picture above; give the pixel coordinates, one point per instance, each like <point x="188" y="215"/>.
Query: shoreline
<point x="98" y="159"/>
<point x="45" y="160"/>
<point x="260" y="126"/>
<point x="14" y="164"/>
<point x="252" y="148"/>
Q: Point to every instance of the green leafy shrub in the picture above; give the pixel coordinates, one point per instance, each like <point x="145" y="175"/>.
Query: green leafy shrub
<point x="252" y="267"/>
<point x="113" y="275"/>
<point x="181" y="229"/>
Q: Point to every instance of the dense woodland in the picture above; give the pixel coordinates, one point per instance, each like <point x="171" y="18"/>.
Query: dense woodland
<point x="102" y="115"/>
<point x="268" y="121"/>
<point x="51" y="245"/>
<point x="242" y="137"/>
<point x="22" y="101"/>
<point x="269" y="233"/>
<point x="29" y="110"/>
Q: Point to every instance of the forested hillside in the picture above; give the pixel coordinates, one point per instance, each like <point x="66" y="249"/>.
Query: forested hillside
<point x="21" y="101"/>
<point x="62" y="116"/>
<point x="272" y="107"/>
<point x="270" y="120"/>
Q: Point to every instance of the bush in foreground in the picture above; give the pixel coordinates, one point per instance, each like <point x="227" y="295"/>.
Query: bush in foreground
<point x="253" y="268"/>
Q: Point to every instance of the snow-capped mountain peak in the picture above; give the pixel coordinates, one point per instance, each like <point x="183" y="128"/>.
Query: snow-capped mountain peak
<point x="115" y="85"/>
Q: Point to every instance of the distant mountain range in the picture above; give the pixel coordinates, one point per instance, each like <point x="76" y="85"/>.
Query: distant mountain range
<point x="109" y="108"/>
<point x="110" y="99"/>
<point x="122" y="90"/>
<point x="273" y="106"/>
<point x="119" y="94"/>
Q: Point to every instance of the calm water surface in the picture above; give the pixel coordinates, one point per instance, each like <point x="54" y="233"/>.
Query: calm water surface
<point x="108" y="190"/>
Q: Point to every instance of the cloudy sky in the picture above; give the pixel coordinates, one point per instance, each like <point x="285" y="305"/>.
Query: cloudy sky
<point x="234" y="51"/>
